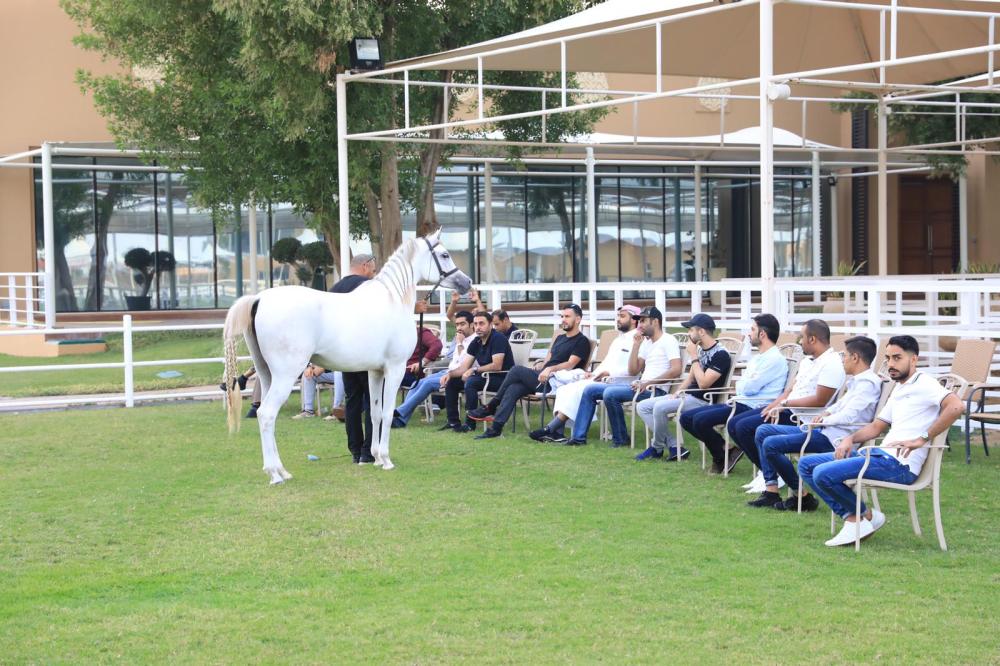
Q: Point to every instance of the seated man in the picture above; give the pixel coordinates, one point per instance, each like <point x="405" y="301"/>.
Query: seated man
<point x="502" y="323"/>
<point x="709" y="370"/>
<point x="612" y="370"/>
<point x="312" y="375"/>
<point x="856" y="406"/>
<point x="489" y="351"/>
<point x="763" y="380"/>
<point x="918" y="410"/>
<point x="426" y="352"/>
<point x="660" y="360"/>
<point x="436" y="381"/>
<point x="570" y="350"/>
<point x="819" y="377"/>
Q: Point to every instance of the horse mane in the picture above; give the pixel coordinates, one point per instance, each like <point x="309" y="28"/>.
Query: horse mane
<point x="397" y="273"/>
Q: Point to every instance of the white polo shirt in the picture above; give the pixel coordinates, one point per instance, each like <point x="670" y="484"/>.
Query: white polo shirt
<point x="615" y="363"/>
<point x="825" y="370"/>
<point x="911" y="409"/>
<point x="659" y="355"/>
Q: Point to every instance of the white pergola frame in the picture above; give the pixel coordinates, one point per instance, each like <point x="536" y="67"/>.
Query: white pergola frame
<point x="771" y="87"/>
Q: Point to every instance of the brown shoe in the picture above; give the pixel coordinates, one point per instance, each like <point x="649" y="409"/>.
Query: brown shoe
<point x="336" y="413"/>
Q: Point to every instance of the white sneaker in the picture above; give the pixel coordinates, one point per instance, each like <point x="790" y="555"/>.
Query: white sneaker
<point x="758" y="478"/>
<point x="878" y="519"/>
<point x="304" y="415"/>
<point x="848" y="533"/>
<point x="757" y="486"/>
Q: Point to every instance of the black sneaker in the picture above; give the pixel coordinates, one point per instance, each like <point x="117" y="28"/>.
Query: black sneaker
<point x="556" y="439"/>
<point x="490" y="433"/>
<point x="464" y="427"/>
<point x="366" y="459"/>
<point x="575" y="442"/>
<point x="620" y="445"/>
<point x="809" y="503"/>
<point x="541" y="434"/>
<point x="767" y="499"/>
<point x="675" y="455"/>
<point x="450" y="426"/>
<point x="717" y="467"/>
<point x="735" y="453"/>
<point x="484" y="413"/>
<point x="242" y="381"/>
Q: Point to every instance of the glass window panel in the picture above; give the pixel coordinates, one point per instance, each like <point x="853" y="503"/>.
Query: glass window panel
<point x="126" y="222"/>
<point x="509" y="242"/>
<point x="185" y="230"/>
<point x="73" y="222"/>
<point x="642" y="237"/>
<point x="286" y="223"/>
<point x="455" y="208"/>
<point x="802" y="221"/>
<point x="606" y="195"/>
<point x="550" y="231"/>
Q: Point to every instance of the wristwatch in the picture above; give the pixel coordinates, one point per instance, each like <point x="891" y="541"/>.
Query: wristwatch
<point x="925" y="436"/>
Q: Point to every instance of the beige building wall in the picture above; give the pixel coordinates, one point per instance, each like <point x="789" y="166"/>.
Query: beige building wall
<point x="41" y="102"/>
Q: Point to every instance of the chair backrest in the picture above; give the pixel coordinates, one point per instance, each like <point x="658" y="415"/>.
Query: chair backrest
<point x="603" y="345"/>
<point x="523" y="334"/>
<point x="973" y="359"/>
<point x="788" y="338"/>
<point x="791" y="350"/>
<point x="732" y="345"/>
<point x="521" y="349"/>
<point x="954" y="383"/>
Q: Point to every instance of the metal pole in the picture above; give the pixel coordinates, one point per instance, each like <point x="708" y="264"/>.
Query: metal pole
<point x="963" y="223"/>
<point x="169" y="194"/>
<point x="252" y="231"/>
<point x="591" y="219"/>
<point x="883" y="190"/>
<point x="342" y="190"/>
<point x="699" y="264"/>
<point x="238" y="250"/>
<point x="834" y="230"/>
<point x="127" y="358"/>
<point x="766" y="110"/>
<point x="816" y="217"/>
<point x="491" y="277"/>
<point x="49" y="237"/>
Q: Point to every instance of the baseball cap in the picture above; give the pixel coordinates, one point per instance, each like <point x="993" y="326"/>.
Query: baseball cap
<point x="701" y="320"/>
<point x="631" y="309"/>
<point x="650" y="312"/>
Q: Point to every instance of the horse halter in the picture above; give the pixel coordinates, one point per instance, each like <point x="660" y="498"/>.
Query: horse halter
<point x="441" y="271"/>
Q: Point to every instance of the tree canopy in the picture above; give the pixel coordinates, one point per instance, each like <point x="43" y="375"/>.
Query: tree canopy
<point x="242" y="90"/>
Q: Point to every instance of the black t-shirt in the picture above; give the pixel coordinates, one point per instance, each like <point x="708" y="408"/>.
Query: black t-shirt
<point x="564" y="347"/>
<point x="496" y="343"/>
<point x="513" y="327"/>
<point x="714" y="358"/>
<point x="348" y="284"/>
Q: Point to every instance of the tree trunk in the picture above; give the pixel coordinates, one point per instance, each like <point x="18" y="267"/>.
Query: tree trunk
<point x="430" y="160"/>
<point x="65" y="296"/>
<point x="559" y="205"/>
<point x="106" y="206"/>
<point x="390" y="218"/>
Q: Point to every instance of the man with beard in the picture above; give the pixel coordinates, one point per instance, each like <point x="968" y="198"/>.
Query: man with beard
<point x="918" y="410"/>
<point x="489" y="352"/>
<point x="660" y="360"/>
<point x="612" y="370"/>
<point x="569" y="350"/>
<point x="709" y="370"/>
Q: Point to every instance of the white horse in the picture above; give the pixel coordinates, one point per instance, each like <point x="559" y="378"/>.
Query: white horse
<point x="370" y="328"/>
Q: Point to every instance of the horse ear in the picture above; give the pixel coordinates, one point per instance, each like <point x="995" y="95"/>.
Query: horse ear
<point x="434" y="236"/>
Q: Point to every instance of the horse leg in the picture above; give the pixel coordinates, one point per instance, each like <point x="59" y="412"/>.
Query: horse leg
<point x="267" y="415"/>
<point x="384" y="385"/>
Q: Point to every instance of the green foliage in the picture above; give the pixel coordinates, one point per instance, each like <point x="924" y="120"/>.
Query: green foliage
<point x="921" y="124"/>
<point x="286" y="250"/>
<point x="316" y="255"/>
<point x="242" y="89"/>
<point x="148" y="536"/>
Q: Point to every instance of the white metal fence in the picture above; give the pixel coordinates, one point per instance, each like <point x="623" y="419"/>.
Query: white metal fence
<point x="22" y="301"/>
<point x="929" y="308"/>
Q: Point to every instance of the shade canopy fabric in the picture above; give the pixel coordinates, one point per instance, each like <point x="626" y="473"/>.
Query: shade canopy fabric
<point x="723" y="41"/>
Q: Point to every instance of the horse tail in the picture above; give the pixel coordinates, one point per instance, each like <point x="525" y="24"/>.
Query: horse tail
<point x="238" y="322"/>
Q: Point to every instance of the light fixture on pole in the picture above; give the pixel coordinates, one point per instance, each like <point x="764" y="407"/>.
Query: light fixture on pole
<point x="366" y="53"/>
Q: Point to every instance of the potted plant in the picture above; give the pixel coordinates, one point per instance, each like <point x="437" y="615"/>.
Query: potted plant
<point x="834" y="300"/>
<point x="146" y="267"/>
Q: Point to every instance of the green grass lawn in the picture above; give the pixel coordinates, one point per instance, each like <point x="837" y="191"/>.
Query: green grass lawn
<point x="145" y="347"/>
<point x="150" y="535"/>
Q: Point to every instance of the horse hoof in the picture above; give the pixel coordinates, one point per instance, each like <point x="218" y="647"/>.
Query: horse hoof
<point x="277" y="482"/>
<point x="387" y="465"/>
<point x="285" y="475"/>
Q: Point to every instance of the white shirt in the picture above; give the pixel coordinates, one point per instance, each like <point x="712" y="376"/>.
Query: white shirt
<point x="825" y="370"/>
<point x="911" y="409"/>
<point x="458" y="352"/>
<point x="856" y="405"/>
<point x="658" y="356"/>
<point x="615" y="363"/>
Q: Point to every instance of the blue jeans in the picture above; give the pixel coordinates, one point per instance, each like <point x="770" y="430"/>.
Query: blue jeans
<point x="613" y="396"/>
<point x="774" y="441"/>
<point x="416" y="395"/>
<point x="701" y="424"/>
<point x="743" y="428"/>
<point x="826" y="476"/>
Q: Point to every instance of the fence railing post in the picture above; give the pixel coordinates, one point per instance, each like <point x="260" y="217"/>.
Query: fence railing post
<point x="874" y="316"/>
<point x="29" y="298"/>
<point x="127" y="354"/>
<point x="11" y="300"/>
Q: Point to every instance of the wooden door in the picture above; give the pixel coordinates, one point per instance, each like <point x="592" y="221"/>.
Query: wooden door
<point x="926" y="222"/>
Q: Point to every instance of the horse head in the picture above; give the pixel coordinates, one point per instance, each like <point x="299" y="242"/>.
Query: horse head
<point x="439" y="267"/>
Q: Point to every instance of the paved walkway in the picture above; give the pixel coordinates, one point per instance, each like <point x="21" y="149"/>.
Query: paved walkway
<point x="89" y="401"/>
